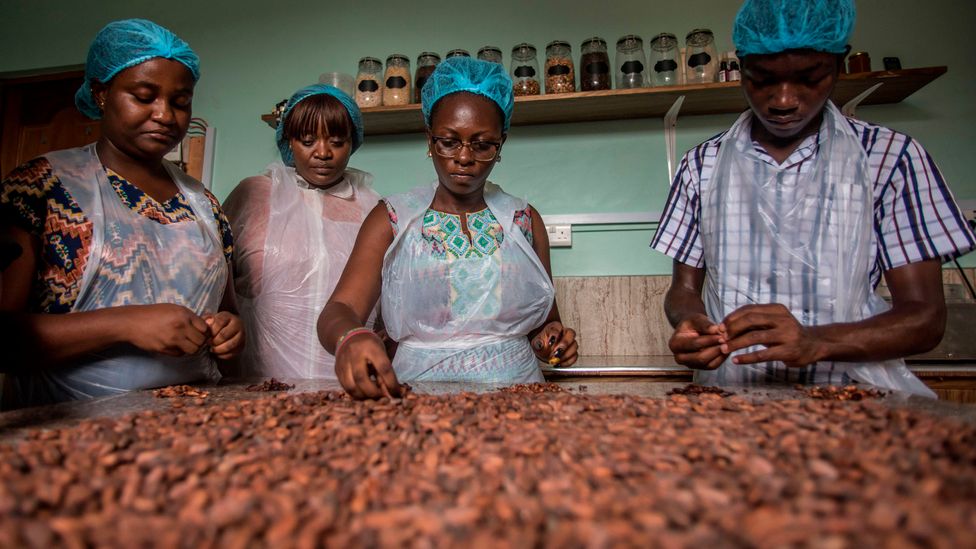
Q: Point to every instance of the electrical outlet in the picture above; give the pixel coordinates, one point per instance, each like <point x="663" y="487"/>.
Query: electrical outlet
<point x="560" y="236"/>
<point x="970" y="217"/>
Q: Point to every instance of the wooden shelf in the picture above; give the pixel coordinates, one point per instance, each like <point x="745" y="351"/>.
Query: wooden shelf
<point x="652" y="102"/>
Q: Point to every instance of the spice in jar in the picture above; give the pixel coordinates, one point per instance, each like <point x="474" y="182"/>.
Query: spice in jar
<point x="859" y="62"/>
<point x="525" y="70"/>
<point x="490" y="53"/>
<point x="369" y="90"/>
<point x="396" y="80"/>
<point x="594" y="65"/>
<point x="560" y="73"/>
<point x="426" y="63"/>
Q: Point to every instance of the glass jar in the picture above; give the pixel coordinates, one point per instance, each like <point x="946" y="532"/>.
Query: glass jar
<point x="560" y="72"/>
<point x="490" y="53"/>
<point x="369" y="88"/>
<point x="396" y="80"/>
<point x="630" y="62"/>
<point x="663" y="60"/>
<point x="426" y="63"/>
<point x="525" y="70"/>
<point x="594" y="65"/>
<point x="700" y="51"/>
<point x="457" y="53"/>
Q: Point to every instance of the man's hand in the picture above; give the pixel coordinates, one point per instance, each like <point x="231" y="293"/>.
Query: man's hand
<point x="696" y="343"/>
<point x="773" y="327"/>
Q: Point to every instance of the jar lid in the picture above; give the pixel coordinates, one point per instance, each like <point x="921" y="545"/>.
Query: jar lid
<point x="707" y="32"/>
<point x="397" y="57"/>
<point x="490" y="49"/>
<point x="664" y="36"/>
<point x="428" y="54"/>
<point x="594" y="40"/>
<point x="629" y="38"/>
<point x="458" y="52"/>
<point x="369" y="60"/>
<point x="523" y="47"/>
<point x="557" y="43"/>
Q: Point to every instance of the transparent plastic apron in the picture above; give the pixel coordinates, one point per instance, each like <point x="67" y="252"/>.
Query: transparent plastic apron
<point x="466" y="319"/>
<point x="135" y="261"/>
<point x="806" y="241"/>
<point x="310" y="235"/>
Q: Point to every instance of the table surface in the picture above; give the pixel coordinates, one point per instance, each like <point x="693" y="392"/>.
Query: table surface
<point x="16" y="423"/>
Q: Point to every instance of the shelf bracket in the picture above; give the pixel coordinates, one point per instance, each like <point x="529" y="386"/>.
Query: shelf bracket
<point x="670" y="131"/>
<point x="851" y="106"/>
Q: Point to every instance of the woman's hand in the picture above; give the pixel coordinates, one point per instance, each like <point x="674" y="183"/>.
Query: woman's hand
<point x="165" y="328"/>
<point x="556" y="344"/>
<point x="226" y="334"/>
<point x="363" y="368"/>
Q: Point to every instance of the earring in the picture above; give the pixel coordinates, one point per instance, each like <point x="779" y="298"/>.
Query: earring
<point x="101" y="105"/>
<point x="498" y="159"/>
<point x="429" y="155"/>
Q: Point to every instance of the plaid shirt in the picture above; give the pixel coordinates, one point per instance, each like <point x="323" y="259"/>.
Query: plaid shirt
<point x="915" y="215"/>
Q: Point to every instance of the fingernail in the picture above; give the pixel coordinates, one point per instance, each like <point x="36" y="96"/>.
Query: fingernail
<point x="558" y="353"/>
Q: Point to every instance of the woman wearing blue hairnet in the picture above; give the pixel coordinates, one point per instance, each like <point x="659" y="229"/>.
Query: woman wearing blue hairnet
<point x="793" y="216"/>
<point x="294" y="227"/>
<point x="461" y="267"/>
<point x="124" y="276"/>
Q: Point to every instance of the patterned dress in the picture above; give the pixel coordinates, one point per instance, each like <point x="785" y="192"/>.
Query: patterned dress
<point x="33" y="199"/>
<point x="443" y="233"/>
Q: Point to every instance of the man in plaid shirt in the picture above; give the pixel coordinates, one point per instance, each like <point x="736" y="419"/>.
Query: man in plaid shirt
<point x="770" y="214"/>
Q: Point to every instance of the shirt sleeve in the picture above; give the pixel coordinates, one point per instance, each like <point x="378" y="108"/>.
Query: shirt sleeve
<point x="917" y="218"/>
<point x="223" y="225"/>
<point x="678" y="234"/>
<point x="24" y="195"/>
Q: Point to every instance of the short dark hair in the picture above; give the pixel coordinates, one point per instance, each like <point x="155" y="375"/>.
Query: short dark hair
<point x="316" y="113"/>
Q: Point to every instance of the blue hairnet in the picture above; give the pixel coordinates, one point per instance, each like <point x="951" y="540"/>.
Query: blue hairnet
<point x="127" y="43"/>
<point x="774" y="26"/>
<point x="318" y="89"/>
<point x="463" y="74"/>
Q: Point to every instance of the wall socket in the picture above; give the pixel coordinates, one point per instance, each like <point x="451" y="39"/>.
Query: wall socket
<point x="560" y="236"/>
<point x="970" y="217"/>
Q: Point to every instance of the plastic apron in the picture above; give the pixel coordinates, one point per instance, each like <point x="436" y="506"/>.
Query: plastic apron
<point x="806" y="241"/>
<point x="310" y="235"/>
<point x="135" y="261"/>
<point x="464" y="319"/>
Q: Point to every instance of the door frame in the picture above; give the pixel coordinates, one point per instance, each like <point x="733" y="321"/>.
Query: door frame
<point x="10" y="114"/>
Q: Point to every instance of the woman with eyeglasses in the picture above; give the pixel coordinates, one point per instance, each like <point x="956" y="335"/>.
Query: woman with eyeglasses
<point x="461" y="268"/>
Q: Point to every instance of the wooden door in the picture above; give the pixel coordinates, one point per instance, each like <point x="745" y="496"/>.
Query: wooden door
<point x="39" y="116"/>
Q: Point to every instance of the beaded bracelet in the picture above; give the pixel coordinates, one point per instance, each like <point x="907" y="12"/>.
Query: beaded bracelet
<point x="350" y="333"/>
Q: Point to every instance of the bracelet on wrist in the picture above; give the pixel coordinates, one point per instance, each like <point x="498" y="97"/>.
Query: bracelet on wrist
<point x="350" y="334"/>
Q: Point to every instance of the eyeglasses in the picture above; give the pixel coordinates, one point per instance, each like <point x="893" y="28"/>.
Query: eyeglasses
<point x="482" y="151"/>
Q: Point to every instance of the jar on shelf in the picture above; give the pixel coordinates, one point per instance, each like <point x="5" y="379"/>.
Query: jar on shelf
<point x="663" y="60"/>
<point x="426" y="63"/>
<point x="700" y="51"/>
<point x="630" y="62"/>
<point x="490" y="53"/>
<point x="396" y="80"/>
<point x="594" y="65"/>
<point x="560" y="72"/>
<point x="525" y="70"/>
<point x="369" y="87"/>
<point x="458" y="52"/>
